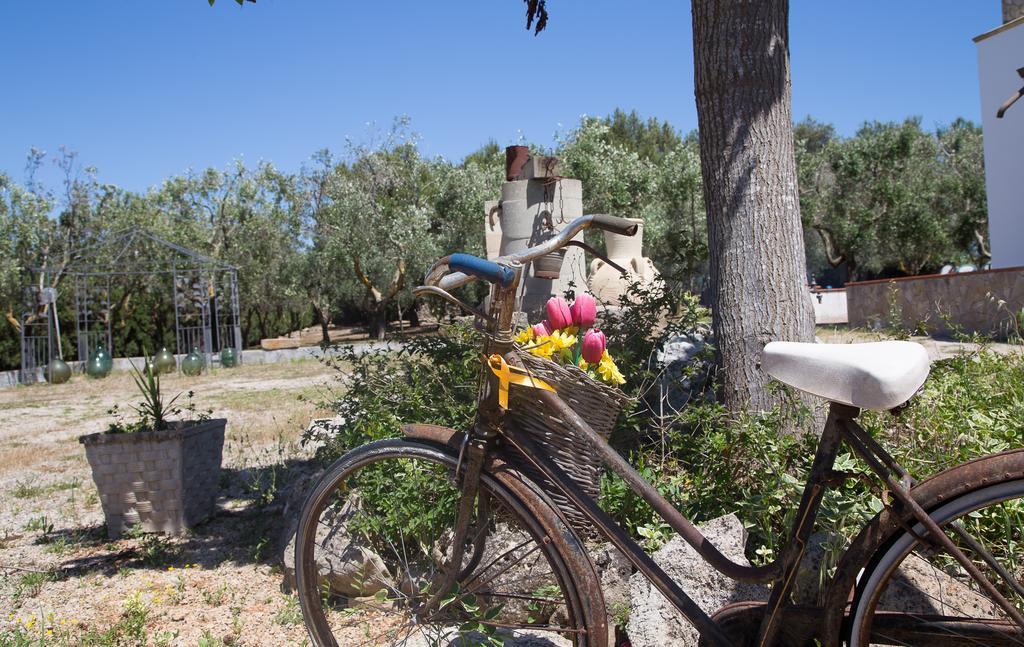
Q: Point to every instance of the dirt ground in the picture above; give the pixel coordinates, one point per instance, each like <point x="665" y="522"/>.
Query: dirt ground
<point x="215" y="586"/>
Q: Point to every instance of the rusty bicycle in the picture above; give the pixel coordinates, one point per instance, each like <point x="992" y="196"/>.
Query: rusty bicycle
<point x="494" y="550"/>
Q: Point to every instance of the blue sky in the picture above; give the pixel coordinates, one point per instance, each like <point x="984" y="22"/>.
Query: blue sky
<point x="144" y="90"/>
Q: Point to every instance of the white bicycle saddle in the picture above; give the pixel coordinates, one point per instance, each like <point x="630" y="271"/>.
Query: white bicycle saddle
<point x="876" y="375"/>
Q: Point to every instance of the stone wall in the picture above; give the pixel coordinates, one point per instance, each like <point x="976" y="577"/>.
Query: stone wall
<point x="983" y="302"/>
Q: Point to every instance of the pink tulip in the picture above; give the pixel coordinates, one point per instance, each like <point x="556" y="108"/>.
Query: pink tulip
<point x="559" y="315"/>
<point x="542" y="329"/>
<point x="584" y="311"/>
<point x="593" y="346"/>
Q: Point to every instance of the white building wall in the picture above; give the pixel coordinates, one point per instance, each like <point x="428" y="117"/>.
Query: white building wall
<point x="1000" y="53"/>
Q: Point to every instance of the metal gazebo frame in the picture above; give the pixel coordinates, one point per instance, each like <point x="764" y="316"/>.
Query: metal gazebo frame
<point x="205" y="290"/>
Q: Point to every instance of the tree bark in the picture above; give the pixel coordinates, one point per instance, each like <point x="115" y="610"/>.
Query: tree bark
<point x="323" y="317"/>
<point x="757" y="266"/>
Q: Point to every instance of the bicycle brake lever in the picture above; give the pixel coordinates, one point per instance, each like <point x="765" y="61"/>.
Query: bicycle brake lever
<point x="447" y="296"/>
<point x="576" y="243"/>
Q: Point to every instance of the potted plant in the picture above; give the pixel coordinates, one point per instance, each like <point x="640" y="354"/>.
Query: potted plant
<point x="161" y="470"/>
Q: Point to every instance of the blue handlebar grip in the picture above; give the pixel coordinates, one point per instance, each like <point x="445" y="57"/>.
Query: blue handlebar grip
<point x="482" y="269"/>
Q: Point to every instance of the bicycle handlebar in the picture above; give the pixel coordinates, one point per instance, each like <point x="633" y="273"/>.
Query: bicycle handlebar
<point x="442" y="275"/>
<point x="481" y="269"/>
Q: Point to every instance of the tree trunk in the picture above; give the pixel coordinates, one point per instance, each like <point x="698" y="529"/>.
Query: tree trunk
<point x="378" y="322"/>
<point x="756" y="247"/>
<point x="323" y="316"/>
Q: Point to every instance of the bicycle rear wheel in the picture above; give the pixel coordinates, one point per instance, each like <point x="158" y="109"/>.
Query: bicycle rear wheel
<point x="914" y="593"/>
<point x="375" y="535"/>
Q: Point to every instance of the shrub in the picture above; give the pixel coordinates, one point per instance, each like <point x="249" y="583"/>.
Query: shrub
<point x="432" y="379"/>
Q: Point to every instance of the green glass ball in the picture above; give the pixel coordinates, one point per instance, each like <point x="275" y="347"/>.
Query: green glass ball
<point x="104" y="362"/>
<point x="58" y="371"/>
<point x="193" y="363"/>
<point x="96" y="368"/>
<point x="165" y="362"/>
<point x="228" y="357"/>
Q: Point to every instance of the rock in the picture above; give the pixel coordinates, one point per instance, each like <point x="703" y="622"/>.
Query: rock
<point x="917" y="587"/>
<point x="685" y="370"/>
<point x="615" y="571"/>
<point x="921" y="587"/>
<point x="810" y="584"/>
<point x="452" y="638"/>
<point x="653" y="621"/>
<point x="351" y="569"/>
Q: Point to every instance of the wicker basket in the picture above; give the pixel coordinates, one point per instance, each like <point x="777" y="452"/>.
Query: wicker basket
<point x="597" y="403"/>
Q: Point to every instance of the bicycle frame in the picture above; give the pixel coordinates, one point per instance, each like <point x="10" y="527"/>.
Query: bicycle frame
<point x="824" y="623"/>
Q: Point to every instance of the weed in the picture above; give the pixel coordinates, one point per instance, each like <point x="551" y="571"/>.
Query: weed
<point x="57" y="545"/>
<point x="41" y="524"/>
<point x="30" y="584"/>
<point x="290" y="613"/>
<point x="164" y="638"/>
<point x="154" y="549"/>
<point x="215" y="598"/>
<point x="208" y="640"/>
<point x="129" y="630"/>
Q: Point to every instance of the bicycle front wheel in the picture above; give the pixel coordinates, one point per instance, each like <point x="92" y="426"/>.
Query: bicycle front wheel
<point x="915" y="593"/>
<point x="375" y="539"/>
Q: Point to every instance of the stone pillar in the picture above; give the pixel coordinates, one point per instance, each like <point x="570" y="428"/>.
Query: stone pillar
<point x="533" y="210"/>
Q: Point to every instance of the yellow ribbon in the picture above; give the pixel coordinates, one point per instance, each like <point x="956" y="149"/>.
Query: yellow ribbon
<point x="512" y="375"/>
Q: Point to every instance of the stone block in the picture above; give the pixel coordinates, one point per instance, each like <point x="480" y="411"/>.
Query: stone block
<point x="538" y="167"/>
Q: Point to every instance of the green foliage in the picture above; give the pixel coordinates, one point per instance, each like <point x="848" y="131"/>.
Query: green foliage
<point x="153" y="413"/>
<point x="894" y="199"/>
<point x="431" y="379"/>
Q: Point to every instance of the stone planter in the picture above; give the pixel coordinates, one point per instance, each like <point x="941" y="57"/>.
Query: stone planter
<point x="166" y="481"/>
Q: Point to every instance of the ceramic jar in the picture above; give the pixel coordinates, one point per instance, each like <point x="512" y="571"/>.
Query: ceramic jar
<point x="606" y="283"/>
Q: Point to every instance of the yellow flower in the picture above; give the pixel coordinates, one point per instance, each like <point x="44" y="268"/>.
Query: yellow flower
<point x="571" y="330"/>
<point x="583" y="364"/>
<point x="608" y="371"/>
<point x="524" y="336"/>
<point x="542" y="347"/>
<point x="561" y="339"/>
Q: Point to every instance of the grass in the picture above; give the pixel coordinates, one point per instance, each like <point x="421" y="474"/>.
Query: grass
<point x="29" y="585"/>
<point x="47" y="631"/>
<point x="28" y="490"/>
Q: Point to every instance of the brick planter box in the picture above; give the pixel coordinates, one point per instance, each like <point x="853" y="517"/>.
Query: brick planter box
<point x="166" y="481"/>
